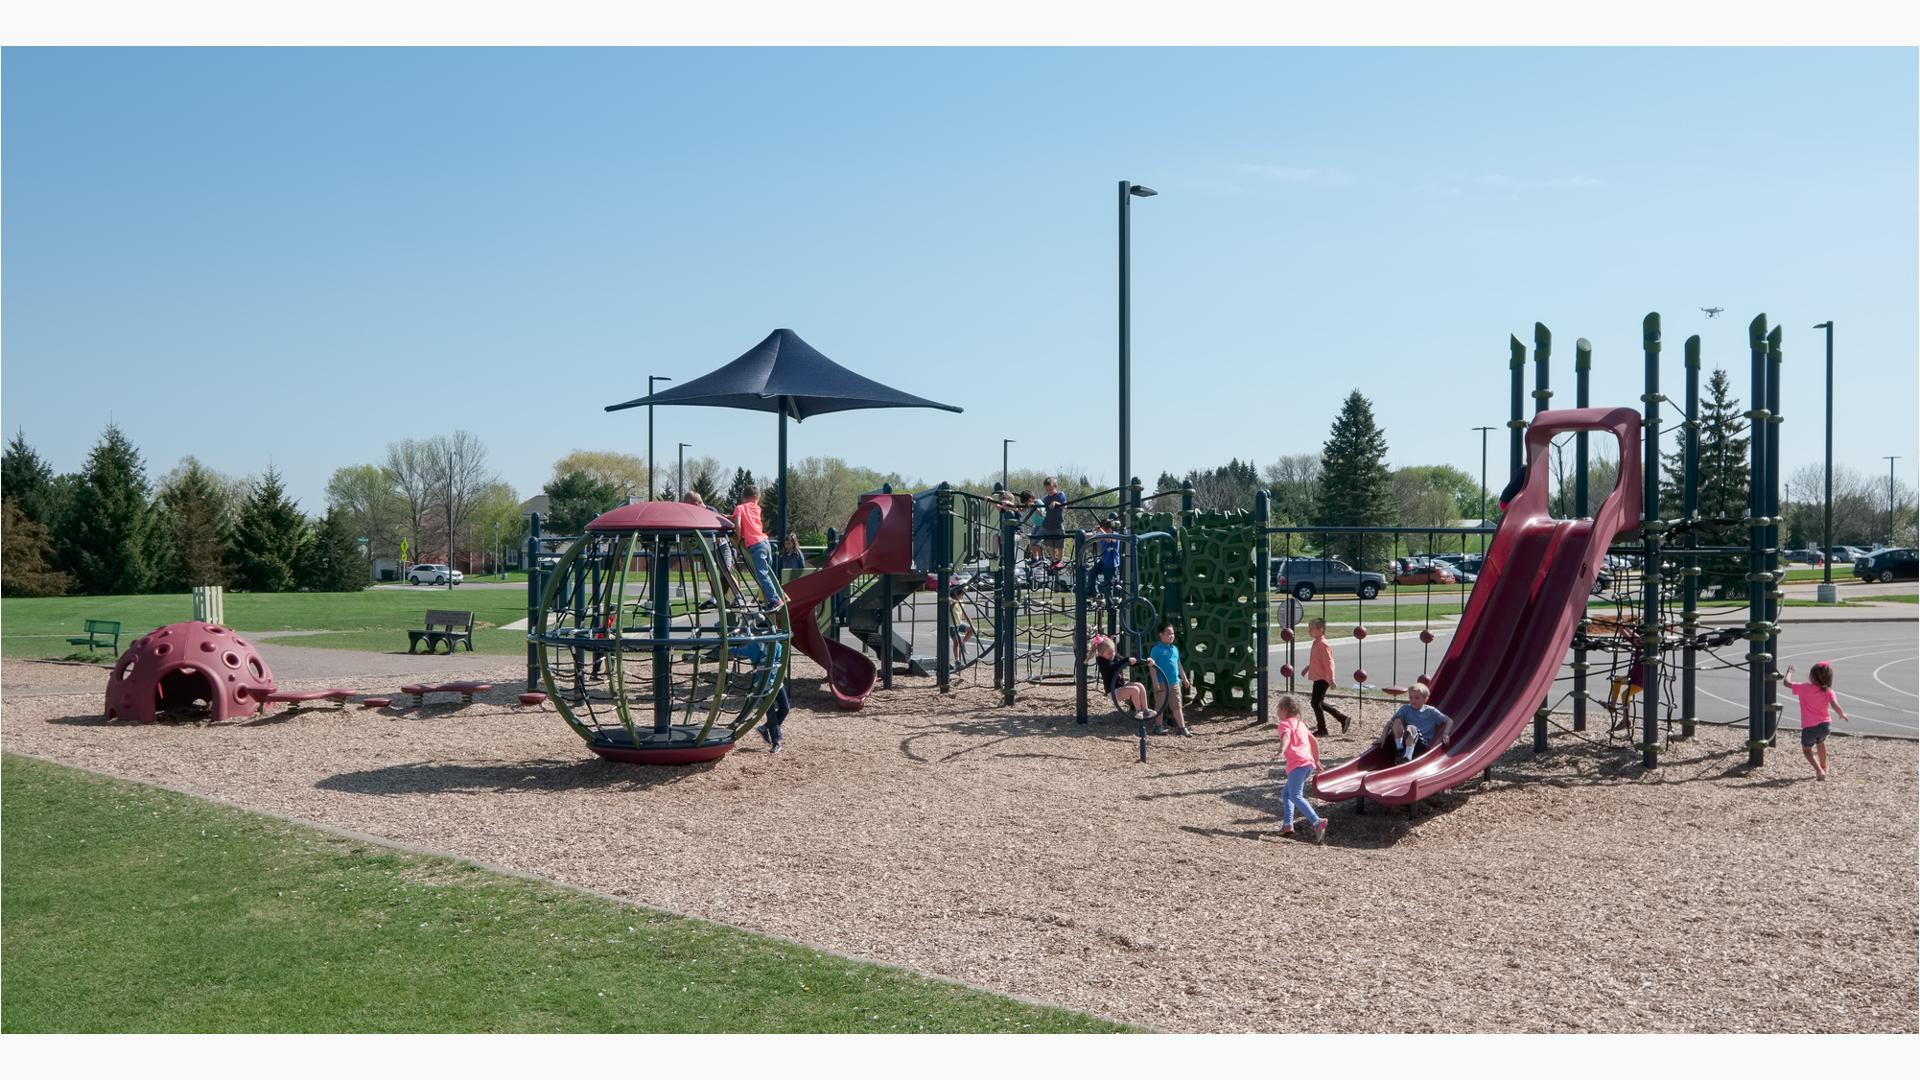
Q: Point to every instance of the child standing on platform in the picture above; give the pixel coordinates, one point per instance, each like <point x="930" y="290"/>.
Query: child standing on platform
<point x="1320" y="670"/>
<point x="1302" y="757"/>
<point x="1816" y="698"/>
<point x="759" y="549"/>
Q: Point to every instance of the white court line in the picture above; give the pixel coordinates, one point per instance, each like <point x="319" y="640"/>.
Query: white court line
<point x="1890" y="686"/>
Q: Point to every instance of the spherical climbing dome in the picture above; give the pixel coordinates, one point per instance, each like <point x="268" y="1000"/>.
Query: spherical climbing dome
<point x="189" y="670"/>
<point x="652" y="649"/>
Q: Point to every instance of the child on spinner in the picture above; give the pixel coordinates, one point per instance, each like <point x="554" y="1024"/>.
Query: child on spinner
<point x="1170" y="678"/>
<point x="1816" y="698"/>
<point x="1128" y="696"/>
<point x="1302" y="757"/>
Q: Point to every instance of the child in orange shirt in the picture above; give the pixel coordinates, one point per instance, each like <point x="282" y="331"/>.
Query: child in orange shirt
<point x="1320" y="670"/>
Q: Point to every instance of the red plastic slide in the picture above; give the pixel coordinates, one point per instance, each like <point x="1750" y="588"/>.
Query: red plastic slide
<point x="1518" y="625"/>
<point x="885" y="548"/>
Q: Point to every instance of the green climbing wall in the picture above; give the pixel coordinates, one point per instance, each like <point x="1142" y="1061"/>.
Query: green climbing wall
<point x="1217" y="606"/>
<point x="1203" y="579"/>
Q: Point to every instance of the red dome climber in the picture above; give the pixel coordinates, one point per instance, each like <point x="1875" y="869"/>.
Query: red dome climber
<point x="189" y="665"/>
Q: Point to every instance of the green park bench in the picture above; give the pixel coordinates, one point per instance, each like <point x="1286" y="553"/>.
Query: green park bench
<point x="99" y="632"/>
<point x="451" y="627"/>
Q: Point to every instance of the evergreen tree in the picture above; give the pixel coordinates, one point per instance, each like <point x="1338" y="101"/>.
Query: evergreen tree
<point x="197" y="513"/>
<point x="332" y="562"/>
<point x="271" y="538"/>
<point x="576" y="498"/>
<point x="737" y="491"/>
<point x="1356" y="487"/>
<point x="27" y="480"/>
<point x="26" y="563"/>
<point x="1723" y="483"/>
<point x="707" y="484"/>
<point x="109" y="534"/>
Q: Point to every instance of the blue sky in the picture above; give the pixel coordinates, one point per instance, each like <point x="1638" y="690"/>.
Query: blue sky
<point x="301" y="255"/>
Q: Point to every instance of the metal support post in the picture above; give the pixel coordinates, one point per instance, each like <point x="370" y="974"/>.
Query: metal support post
<point x="943" y="580"/>
<point x="1262" y="549"/>
<point x="1650" y="529"/>
<point x="1757" y="578"/>
<point x="1582" y="365"/>
<point x="1079" y="627"/>
<point x="1690" y="573"/>
<point x="1542" y="352"/>
<point x="1772" y="493"/>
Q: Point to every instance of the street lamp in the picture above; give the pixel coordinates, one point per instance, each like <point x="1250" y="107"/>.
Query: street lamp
<point x="1127" y="194"/>
<point x="498" y="567"/>
<point x="651" y="379"/>
<point x="1827" y="593"/>
<point x="1003" y="462"/>
<point x="1483" y="485"/>
<point x="680" y="473"/>
<point x="1891" y="458"/>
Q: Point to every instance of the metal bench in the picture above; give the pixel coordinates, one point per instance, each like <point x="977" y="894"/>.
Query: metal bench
<point x="451" y="627"/>
<point x="98" y="628"/>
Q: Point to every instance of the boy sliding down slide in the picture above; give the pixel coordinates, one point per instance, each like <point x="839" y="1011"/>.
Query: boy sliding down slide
<point x="1417" y="726"/>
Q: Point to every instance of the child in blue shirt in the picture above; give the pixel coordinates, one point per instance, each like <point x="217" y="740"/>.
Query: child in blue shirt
<point x="1417" y="726"/>
<point x="1107" y="566"/>
<point x="1168" y="678"/>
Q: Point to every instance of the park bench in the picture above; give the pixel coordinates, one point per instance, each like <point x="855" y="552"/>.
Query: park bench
<point x="96" y="631"/>
<point x="451" y="627"/>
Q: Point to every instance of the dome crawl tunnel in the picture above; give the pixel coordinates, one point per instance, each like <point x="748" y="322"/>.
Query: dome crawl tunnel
<point x="651" y="650"/>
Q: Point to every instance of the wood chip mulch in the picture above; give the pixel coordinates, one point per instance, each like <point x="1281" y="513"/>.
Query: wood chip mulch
<point x="1012" y="849"/>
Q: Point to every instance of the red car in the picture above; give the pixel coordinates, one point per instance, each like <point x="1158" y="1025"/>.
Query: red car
<point x="1423" y="572"/>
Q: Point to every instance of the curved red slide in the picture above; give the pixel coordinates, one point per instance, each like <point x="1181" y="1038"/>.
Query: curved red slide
<point x="1518" y="624"/>
<point x="878" y="540"/>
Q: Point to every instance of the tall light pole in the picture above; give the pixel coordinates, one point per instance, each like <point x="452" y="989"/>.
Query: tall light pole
<point x="651" y="379"/>
<point x="498" y="569"/>
<point x="1891" y="458"/>
<point x="680" y="474"/>
<point x="1127" y="193"/>
<point x="1003" y="462"/>
<point x="1483" y="472"/>
<point x="1827" y="593"/>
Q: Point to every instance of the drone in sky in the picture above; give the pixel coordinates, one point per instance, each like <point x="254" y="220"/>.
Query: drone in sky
<point x="1712" y="311"/>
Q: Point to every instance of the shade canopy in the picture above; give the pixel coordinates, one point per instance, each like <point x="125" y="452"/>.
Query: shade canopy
<point x="785" y="374"/>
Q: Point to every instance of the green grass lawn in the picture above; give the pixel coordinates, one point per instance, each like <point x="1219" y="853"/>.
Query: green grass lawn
<point x="131" y="909"/>
<point x="375" y="619"/>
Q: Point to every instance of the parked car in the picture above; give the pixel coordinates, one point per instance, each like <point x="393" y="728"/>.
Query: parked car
<point x="1305" y="577"/>
<point x="1844" y="553"/>
<point x="1419" y="571"/>
<point x="432" y="574"/>
<point x="1804" y="556"/>
<point x="1459" y="570"/>
<point x="1893" y="564"/>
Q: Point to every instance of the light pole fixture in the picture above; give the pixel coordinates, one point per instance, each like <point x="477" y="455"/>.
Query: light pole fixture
<point x="651" y="379"/>
<point x="1003" y="462"/>
<point x="1128" y="192"/>
<point x="1827" y="593"/>
<point x="1891" y="458"/>
<point x="680" y="473"/>
<point x="1483" y="472"/>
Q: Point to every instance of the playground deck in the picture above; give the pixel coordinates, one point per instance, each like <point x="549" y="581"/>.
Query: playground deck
<point x="1013" y="850"/>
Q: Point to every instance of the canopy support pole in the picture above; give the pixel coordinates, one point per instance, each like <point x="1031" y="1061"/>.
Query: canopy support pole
<point x="782" y="481"/>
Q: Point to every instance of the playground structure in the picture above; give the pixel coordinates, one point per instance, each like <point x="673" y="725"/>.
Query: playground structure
<point x="643" y="648"/>
<point x="193" y="666"/>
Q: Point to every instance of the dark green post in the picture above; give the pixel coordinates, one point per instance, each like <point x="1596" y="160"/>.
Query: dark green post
<point x="1517" y="424"/>
<point x="1262" y="554"/>
<point x="1757" y="577"/>
<point x="536" y="583"/>
<point x="1130" y="552"/>
<point x="943" y="580"/>
<point x="1582" y="369"/>
<point x="1006" y="627"/>
<point x="1079" y="627"/>
<point x="1690" y="574"/>
<point x="1774" y="573"/>
<point x="1650" y="529"/>
<point x="1542" y="351"/>
<point x="662" y="628"/>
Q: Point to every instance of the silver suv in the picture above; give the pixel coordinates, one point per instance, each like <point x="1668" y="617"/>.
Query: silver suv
<point x="1304" y="577"/>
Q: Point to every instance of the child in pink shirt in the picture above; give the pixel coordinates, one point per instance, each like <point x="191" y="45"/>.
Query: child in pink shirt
<point x="1816" y="698"/>
<point x="1302" y="757"/>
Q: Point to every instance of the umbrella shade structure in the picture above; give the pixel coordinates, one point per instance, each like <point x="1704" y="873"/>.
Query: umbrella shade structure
<point x="783" y="374"/>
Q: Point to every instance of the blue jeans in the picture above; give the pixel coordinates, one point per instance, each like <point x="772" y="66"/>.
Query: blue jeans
<point x="760" y="557"/>
<point x="1296" y="795"/>
<point x="777" y="712"/>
